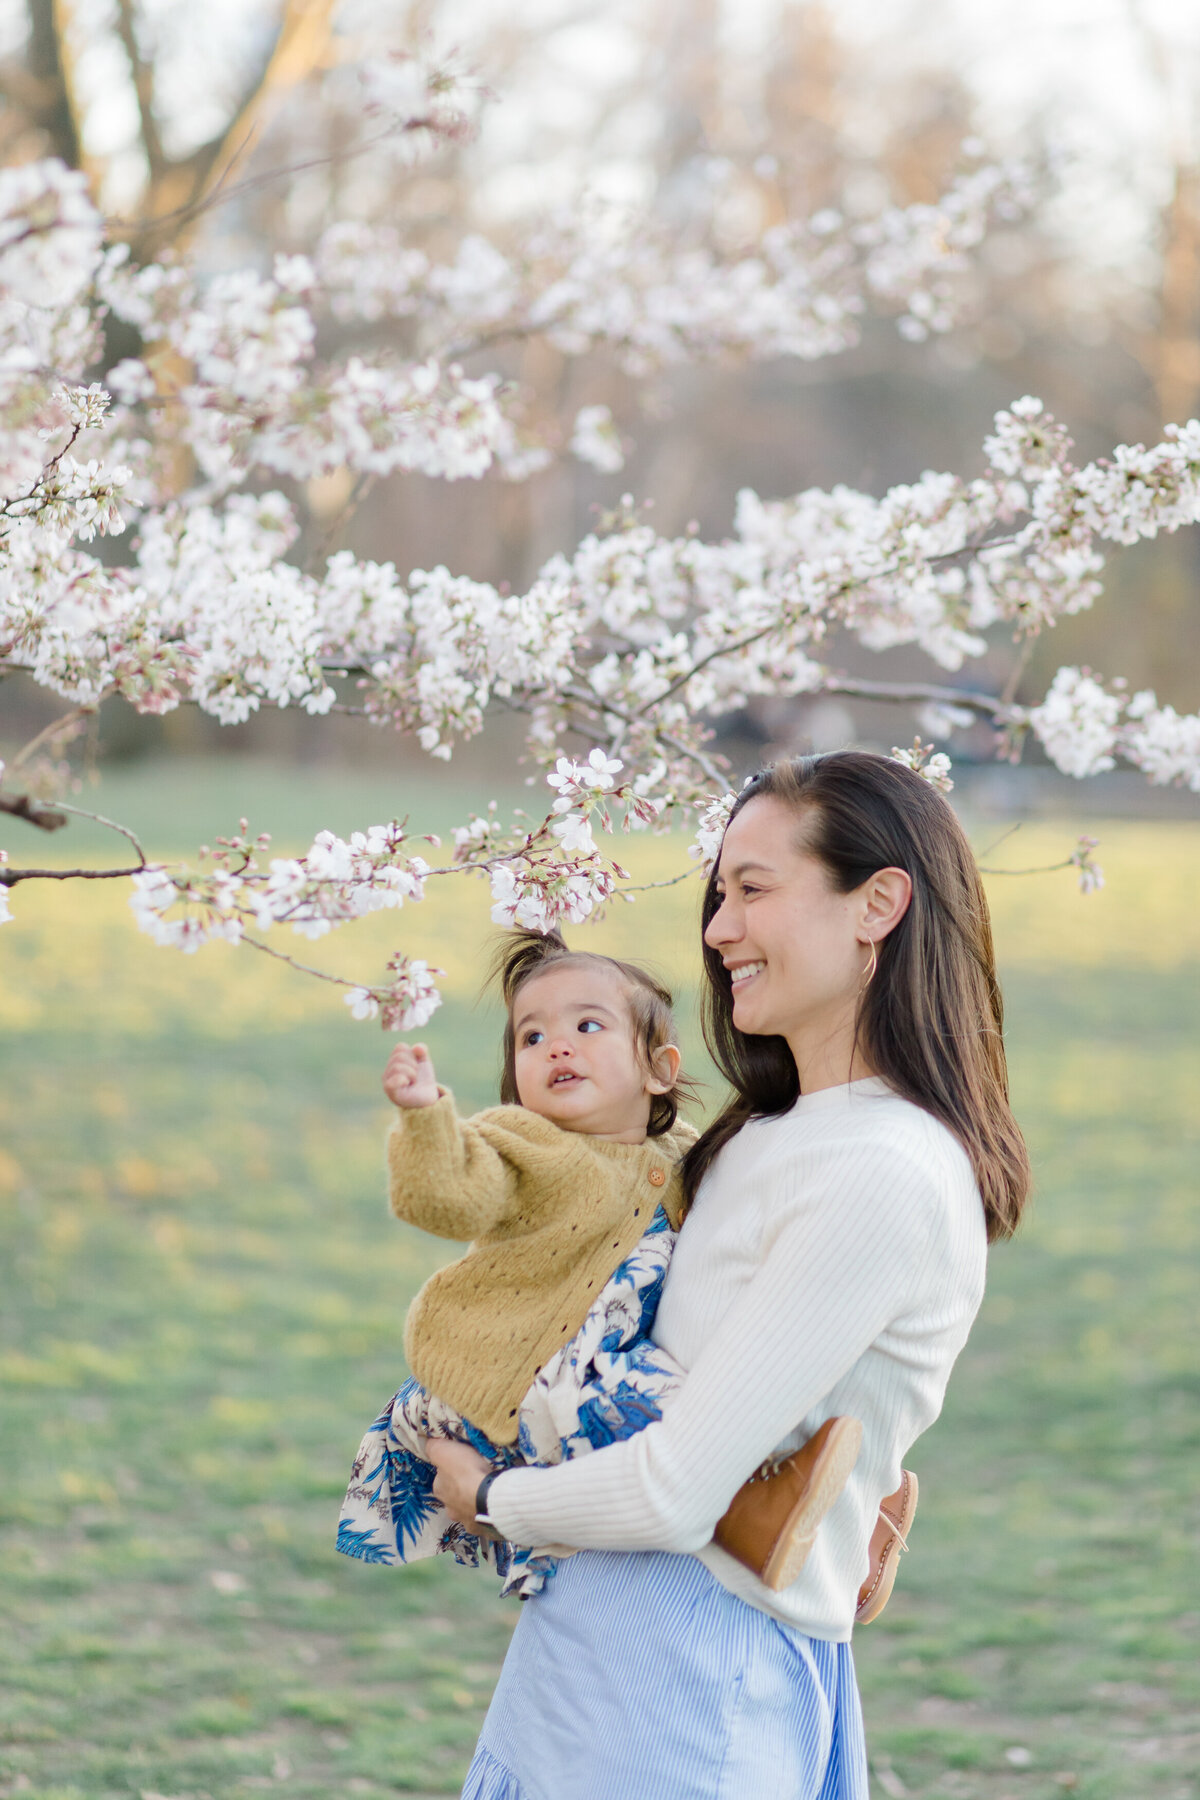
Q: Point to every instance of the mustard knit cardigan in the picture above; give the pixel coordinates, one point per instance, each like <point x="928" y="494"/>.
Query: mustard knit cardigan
<point x="552" y="1213"/>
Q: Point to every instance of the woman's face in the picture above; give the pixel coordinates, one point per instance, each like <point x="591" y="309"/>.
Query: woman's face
<point x="793" y="946"/>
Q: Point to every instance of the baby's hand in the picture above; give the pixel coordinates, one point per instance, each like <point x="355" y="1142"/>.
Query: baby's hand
<point x="409" y="1079"/>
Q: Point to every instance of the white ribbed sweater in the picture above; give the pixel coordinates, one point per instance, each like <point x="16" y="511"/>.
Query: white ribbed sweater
<point x="832" y="1263"/>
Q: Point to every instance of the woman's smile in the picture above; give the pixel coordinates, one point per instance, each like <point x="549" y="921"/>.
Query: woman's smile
<point x="740" y="974"/>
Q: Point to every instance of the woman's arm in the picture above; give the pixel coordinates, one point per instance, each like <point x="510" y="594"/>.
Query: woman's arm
<point x="847" y="1261"/>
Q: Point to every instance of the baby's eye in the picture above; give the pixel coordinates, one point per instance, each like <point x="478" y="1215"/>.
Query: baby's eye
<point x="533" y="1037"/>
<point x="590" y="1025"/>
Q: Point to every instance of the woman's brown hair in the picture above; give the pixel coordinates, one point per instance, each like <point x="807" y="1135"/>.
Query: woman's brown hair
<point x="930" y="1021"/>
<point x="522" y="955"/>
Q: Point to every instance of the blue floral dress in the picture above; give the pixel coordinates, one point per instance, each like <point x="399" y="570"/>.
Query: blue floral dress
<point x="605" y="1384"/>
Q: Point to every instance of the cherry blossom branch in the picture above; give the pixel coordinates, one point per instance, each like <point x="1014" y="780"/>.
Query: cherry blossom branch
<point x="633" y="640"/>
<point x="840" y="592"/>
<point x="221" y="195"/>
<point x="12" y="507"/>
<point x="1082" y="858"/>
<point x="99" y="819"/>
<point x="292" y="963"/>
<point x="597" y="706"/>
<point x="1037" y="869"/>
<point x="647" y="887"/>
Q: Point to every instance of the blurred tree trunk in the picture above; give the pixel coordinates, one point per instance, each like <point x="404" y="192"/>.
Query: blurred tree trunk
<point x="1172" y="352"/>
<point x="45" y="92"/>
<point x="689" y="62"/>
<point x="804" y="123"/>
<point x="48" y="60"/>
<point x="176" y="190"/>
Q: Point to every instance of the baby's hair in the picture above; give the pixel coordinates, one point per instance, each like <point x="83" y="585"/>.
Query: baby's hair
<point x="523" y="954"/>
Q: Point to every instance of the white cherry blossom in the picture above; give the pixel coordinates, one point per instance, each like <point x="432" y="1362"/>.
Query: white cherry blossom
<point x="932" y="766"/>
<point x="596" y="440"/>
<point x="711" y="828"/>
<point x="1077" y="724"/>
<point x="258" y="380"/>
<point x="50" y="234"/>
<point x="1161" y="742"/>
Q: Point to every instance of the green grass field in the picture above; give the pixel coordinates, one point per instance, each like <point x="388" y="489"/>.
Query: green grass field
<point x="202" y="1309"/>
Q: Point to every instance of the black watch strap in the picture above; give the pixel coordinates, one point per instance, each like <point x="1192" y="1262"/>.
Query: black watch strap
<point x="481" y="1493"/>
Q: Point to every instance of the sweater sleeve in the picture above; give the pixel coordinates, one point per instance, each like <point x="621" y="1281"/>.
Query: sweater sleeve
<point x="444" y="1175"/>
<point x="846" y="1260"/>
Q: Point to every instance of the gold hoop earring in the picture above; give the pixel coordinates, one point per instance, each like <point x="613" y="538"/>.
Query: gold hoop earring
<point x="870" y="974"/>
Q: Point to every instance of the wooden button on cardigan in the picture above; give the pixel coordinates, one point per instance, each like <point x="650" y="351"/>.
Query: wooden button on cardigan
<point x="551" y="1214"/>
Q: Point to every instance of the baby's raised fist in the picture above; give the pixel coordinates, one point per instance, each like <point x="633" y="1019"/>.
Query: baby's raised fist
<point x="409" y="1079"/>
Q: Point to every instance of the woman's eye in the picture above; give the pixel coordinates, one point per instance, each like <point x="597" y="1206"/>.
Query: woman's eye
<point x="590" y="1025"/>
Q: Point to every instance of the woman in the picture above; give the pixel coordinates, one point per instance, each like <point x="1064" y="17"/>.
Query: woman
<point x="831" y="1263"/>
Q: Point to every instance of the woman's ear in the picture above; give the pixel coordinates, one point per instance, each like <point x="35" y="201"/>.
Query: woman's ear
<point x="664" y="1069"/>
<point x="885" y="898"/>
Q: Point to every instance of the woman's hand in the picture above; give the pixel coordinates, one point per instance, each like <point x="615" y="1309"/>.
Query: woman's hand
<point x="459" y="1473"/>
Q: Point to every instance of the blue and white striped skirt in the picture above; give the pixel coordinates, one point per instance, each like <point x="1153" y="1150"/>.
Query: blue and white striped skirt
<point x="638" y="1677"/>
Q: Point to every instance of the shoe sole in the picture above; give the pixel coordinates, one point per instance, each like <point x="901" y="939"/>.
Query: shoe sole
<point x="828" y="1478"/>
<point x="880" y="1592"/>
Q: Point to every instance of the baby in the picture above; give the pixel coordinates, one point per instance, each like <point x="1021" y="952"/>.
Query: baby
<point x="534" y="1346"/>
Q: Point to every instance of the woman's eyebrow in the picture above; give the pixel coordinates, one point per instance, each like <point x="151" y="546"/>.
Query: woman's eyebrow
<point x="743" y="868"/>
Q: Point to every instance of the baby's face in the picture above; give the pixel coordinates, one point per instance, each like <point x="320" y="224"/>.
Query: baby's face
<point x="577" y="1060"/>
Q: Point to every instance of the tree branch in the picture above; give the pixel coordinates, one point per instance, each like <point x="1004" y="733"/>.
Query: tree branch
<point x="1042" y="869"/>
<point x="596" y="704"/>
<point x="304" y="968"/>
<point x="10" y="877"/>
<point x="1009" y="691"/>
<point x="218" y="194"/>
<point x="9" y="506"/>
<point x="99" y="819"/>
<point x="23" y="806"/>
<point x="56" y="729"/>
<point x="989" y="706"/>
<point x="645" y="887"/>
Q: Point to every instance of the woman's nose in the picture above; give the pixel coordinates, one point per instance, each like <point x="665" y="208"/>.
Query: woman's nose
<point x="721" y="928"/>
